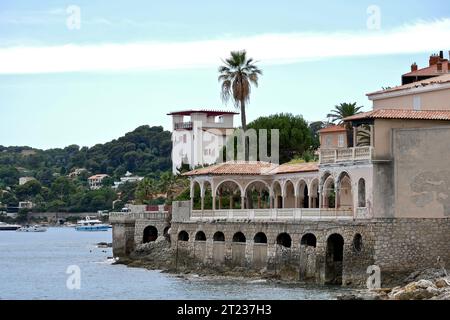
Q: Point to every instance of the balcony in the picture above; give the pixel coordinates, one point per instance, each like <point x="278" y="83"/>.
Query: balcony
<point x="297" y="214"/>
<point x="184" y="125"/>
<point x="123" y="217"/>
<point x="327" y="156"/>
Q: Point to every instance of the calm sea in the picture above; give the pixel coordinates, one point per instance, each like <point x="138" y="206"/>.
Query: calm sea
<point x="34" y="265"/>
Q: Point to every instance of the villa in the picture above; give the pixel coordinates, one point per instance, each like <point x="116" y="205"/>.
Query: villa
<point x="95" y="181"/>
<point x="379" y="195"/>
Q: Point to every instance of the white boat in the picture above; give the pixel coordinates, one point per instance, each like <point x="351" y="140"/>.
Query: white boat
<point x="35" y="228"/>
<point x="8" y="227"/>
<point x="91" y="225"/>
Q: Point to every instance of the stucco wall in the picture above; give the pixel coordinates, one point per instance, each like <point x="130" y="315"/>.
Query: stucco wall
<point x="422" y="172"/>
<point x="435" y="100"/>
<point x="383" y="135"/>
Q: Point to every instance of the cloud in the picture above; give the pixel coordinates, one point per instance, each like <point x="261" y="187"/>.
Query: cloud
<point x="422" y="36"/>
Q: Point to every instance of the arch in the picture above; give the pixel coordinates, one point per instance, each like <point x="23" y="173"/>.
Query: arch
<point x="344" y="197"/>
<point x="230" y="194"/>
<point x="257" y="193"/>
<point x="166" y="230"/>
<point x="183" y="236"/>
<point x="284" y="239"/>
<point x="260" y="237"/>
<point x="219" y="236"/>
<point x="314" y="193"/>
<point x="239" y="237"/>
<point x="196" y="191"/>
<point x="207" y="195"/>
<point x="357" y="242"/>
<point x="200" y="236"/>
<point x="329" y="193"/>
<point x="334" y="259"/>
<point x="289" y="194"/>
<point x="309" y="240"/>
<point x="150" y="234"/>
<point x="277" y="194"/>
<point x="362" y="193"/>
<point x="303" y="192"/>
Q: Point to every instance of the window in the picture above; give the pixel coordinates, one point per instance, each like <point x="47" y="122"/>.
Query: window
<point x="328" y="141"/>
<point x="416" y="103"/>
<point x="341" y="141"/>
<point x="357" y="242"/>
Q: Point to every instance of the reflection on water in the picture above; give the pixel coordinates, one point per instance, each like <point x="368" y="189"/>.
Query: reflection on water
<point x="33" y="266"/>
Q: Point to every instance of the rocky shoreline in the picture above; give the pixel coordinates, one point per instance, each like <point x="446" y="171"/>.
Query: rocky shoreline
<point x="428" y="284"/>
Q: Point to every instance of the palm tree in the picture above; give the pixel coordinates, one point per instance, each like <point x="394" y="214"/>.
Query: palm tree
<point x="342" y="111"/>
<point x="236" y="77"/>
<point x="146" y="190"/>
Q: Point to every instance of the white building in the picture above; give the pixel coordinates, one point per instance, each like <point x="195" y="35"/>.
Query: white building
<point x="198" y="136"/>
<point x="95" y="181"/>
<point x="23" y="180"/>
<point x="129" y="177"/>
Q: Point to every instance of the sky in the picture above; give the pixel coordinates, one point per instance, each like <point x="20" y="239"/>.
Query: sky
<point x="86" y="72"/>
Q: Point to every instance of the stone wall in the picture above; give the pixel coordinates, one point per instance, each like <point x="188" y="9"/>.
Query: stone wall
<point x="161" y="225"/>
<point x="123" y="238"/>
<point x="397" y="246"/>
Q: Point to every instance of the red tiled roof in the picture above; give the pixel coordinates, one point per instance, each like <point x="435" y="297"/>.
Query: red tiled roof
<point x="429" y="71"/>
<point x="443" y="79"/>
<point x="97" y="176"/>
<point x="295" y="167"/>
<point x="403" y="114"/>
<point x="253" y="168"/>
<point x="208" y="112"/>
<point x="332" y="129"/>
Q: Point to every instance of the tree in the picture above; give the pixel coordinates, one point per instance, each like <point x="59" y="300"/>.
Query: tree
<point x="295" y="136"/>
<point x="146" y="190"/>
<point x="342" y="111"/>
<point x="314" y="128"/>
<point x="30" y="189"/>
<point x="236" y="77"/>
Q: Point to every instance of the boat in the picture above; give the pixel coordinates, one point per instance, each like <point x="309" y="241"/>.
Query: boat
<point x="8" y="227"/>
<point x="35" y="228"/>
<point x="91" y="225"/>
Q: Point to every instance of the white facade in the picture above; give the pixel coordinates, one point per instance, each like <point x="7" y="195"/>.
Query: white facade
<point x="24" y="180"/>
<point x="127" y="178"/>
<point x="95" y="182"/>
<point x="198" y="137"/>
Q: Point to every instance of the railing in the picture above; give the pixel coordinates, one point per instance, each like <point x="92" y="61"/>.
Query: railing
<point x="183" y="125"/>
<point x="345" y="154"/>
<point x="122" y="216"/>
<point x="290" y="214"/>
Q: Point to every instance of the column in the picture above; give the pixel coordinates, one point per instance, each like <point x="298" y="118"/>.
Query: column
<point x="242" y="202"/>
<point x="296" y="203"/>
<point x="202" y="202"/>
<point x="214" y="202"/>
<point x="220" y="199"/>
<point x="355" y="129"/>
<point x="372" y="140"/>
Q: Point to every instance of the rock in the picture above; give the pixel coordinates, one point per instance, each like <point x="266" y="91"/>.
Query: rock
<point x="442" y="283"/>
<point x="424" y="284"/>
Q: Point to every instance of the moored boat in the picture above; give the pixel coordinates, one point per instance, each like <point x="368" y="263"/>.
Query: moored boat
<point x="91" y="225"/>
<point x="8" y="227"/>
<point x="35" y="228"/>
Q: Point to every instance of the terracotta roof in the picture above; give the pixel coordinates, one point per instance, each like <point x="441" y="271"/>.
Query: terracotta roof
<point x="234" y="168"/>
<point x="429" y="71"/>
<point x="295" y="167"/>
<point x="208" y="112"/>
<point x="418" y="84"/>
<point x="402" y="114"/>
<point x="253" y="168"/>
<point x="97" y="176"/>
<point x="332" y="129"/>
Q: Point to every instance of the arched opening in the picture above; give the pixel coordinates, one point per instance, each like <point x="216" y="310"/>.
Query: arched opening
<point x="196" y="196"/>
<point x="166" y="231"/>
<point x="361" y="193"/>
<point x="229" y="195"/>
<point x="239" y="237"/>
<point x="289" y="195"/>
<point x="334" y="259"/>
<point x="309" y="240"/>
<point x="284" y="240"/>
<point x="260" y="237"/>
<point x="200" y="236"/>
<point x="277" y="198"/>
<point x="238" y="249"/>
<point x="219" y="236"/>
<point x="150" y="234"/>
<point x="257" y="195"/>
<point x="345" y="198"/>
<point x="207" y="199"/>
<point x="303" y="195"/>
<point x="329" y="192"/>
<point x="314" y="193"/>
<point x="183" y="236"/>
<point x="357" y="242"/>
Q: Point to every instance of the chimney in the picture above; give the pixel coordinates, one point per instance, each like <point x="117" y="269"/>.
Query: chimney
<point x="414" y="67"/>
<point x="441" y="54"/>
<point x="434" y="59"/>
<point x="439" y="66"/>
